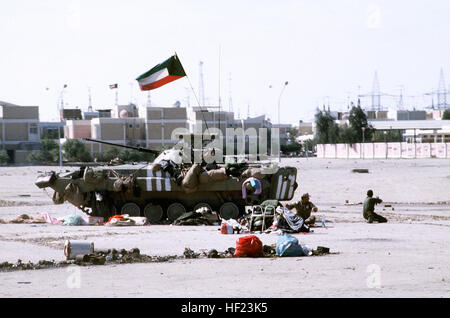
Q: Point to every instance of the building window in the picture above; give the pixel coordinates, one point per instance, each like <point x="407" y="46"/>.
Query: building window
<point x="33" y="129"/>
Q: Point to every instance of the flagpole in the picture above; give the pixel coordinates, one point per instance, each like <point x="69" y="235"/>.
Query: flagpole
<point x="195" y="95"/>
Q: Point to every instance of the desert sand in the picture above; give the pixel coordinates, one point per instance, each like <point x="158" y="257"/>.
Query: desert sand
<point x="407" y="257"/>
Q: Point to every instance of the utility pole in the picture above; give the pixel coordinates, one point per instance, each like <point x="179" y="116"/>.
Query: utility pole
<point x="279" y="123"/>
<point x="230" y="101"/>
<point x="375" y="94"/>
<point x="149" y="101"/>
<point x="201" y="89"/>
<point x="441" y="93"/>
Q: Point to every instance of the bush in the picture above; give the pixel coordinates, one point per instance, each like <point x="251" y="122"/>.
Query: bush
<point x="75" y="150"/>
<point x="4" y="158"/>
<point x="48" y="154"/>
<point x="446" y="114"/>
<point x="124" y="154"/>
<point x="292" y="147"/>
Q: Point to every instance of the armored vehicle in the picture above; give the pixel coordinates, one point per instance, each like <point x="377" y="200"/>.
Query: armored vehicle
<point x="166" y="188"/>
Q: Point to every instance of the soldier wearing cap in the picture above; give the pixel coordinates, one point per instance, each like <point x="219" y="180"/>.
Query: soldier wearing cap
<point x="369" y="207"/>
<point x="303" y="209"/>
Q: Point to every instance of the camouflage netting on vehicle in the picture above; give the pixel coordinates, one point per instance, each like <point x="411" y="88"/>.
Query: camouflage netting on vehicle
<point x="58" y="198"/>
<point x="73" y="194"/>
<point x="90" y="177"/>
<point x="212" y="176"/>
<point x="190" y="181"/>
<point x="253" y="172"/>
<point x="125" y="184"/>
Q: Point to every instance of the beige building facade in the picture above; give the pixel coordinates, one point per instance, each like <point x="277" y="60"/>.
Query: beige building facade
<point x="19" y="130"/>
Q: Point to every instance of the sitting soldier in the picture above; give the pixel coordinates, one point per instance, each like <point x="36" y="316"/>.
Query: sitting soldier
<point x="369" y="207"/>
<point x="303" y="208"/>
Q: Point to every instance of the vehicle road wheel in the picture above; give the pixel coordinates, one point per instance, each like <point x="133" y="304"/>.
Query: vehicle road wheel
<point x="131" y="208"/>
<point x="175" y="210"/>
<point x="153" y="213"/>
<point x="229" y="210"/>
<point x="202" y="205"/>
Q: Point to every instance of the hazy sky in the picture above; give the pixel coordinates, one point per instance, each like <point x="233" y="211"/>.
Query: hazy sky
<point x="327" y="50"/>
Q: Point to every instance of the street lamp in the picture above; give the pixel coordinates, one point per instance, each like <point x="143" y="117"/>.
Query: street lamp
<point x="279" y="124"/>
<point x="363" y="140"/>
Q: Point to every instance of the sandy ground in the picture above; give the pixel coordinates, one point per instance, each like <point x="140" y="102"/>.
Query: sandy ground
<point x="407" y="257"/>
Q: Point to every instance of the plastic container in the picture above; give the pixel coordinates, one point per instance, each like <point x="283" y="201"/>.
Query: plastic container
<point x="74" y="248"/>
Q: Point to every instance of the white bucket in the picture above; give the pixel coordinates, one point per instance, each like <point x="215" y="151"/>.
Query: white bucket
<point x="74" y="248"/>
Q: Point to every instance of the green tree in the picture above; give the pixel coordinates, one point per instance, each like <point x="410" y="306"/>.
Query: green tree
<point x="347" y="135"/>
<point x="327" y="131"/>
<point x="358" y="120"/>
<point x="75" y="150"/>
<point x="124" y="154"/>
<point x="108" y="155"/>
<point x="48" y="154"/>
<point x="446" y="114"/>
<point x="388" y="136"/>
<point x="309" y="144"/>
<point x="4" y="158"/>
<point x="292" y="147"/>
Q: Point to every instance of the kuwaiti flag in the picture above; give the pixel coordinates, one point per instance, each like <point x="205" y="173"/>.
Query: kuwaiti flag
<point x="163" y="73"/>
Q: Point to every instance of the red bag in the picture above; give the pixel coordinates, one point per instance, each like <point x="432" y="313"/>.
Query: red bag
<point x="120" y="217"/>
<point x="250" y="246"/>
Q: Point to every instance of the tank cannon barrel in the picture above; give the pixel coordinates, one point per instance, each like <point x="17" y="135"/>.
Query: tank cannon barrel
<point x="140" y="149"/>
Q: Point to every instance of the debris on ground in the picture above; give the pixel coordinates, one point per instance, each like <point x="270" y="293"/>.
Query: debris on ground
<point x="126" y="220"/>
<point x="361" y="170"/>
<point x="123" y="256"/>
<point x="202" y="216"/>
<point x="26" y="219"/>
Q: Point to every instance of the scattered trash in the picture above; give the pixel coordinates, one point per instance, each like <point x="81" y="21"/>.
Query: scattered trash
<point x="249" y="246"/>
<point x="213" y="254"/>
<point x="24" y="195"/>
<point x="26" y="219"/>
<point x="93" y="220"/>
<point x="232" y="226"/>
<point x="288" y="245"/>
<point x="126" y="220"/>
<point x="320" y="250"/>
<point x="188" y="253"/>
<point x="73" y="220"/>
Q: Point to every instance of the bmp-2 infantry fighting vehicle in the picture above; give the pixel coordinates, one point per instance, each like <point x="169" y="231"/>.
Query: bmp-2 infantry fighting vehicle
<point x="167" y="187"/>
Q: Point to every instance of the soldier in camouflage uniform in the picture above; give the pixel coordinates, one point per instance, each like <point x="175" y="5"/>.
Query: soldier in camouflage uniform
<point x="369" y="207"/>
<point x="303" y="209"/>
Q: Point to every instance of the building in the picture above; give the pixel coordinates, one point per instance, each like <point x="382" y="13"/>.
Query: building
<point x="413" y="129"/>
<point x="74" y="129"/>
<point x="284" y="130"/>
<point x="19" y="130"/>
<point x="411" y="115"/>
<point x="305" y="128"/>
<point x="70" y="114"/>
<point x="201" y="118"/>
<point x="159" y="123"/>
